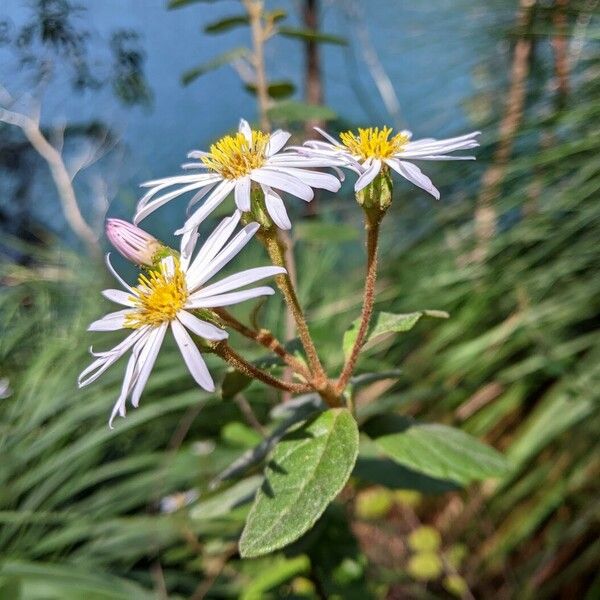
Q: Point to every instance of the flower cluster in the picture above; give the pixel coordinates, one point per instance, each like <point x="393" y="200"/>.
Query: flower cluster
<point x="176" y="290"/>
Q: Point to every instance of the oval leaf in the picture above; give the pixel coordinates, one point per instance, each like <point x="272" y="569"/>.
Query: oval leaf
<point x="311" y="35"/>
<point x="308" y="468"/>
<point x="293" y="111"/>
<point x="211" y="65"/>
<point x="223" y="25"/>
<point x="436" y="450"/>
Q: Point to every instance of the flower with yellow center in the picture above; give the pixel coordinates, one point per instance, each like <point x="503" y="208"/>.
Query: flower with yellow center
<point x="236" y="163"/>
<point x="165" y="298"/>
<point x="369" y="150"/>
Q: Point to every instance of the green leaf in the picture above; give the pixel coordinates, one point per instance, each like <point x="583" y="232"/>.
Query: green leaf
<point x="226" y="24"/>
<point x="276" y="89"/>
<point x="280" y="570"/>
<point x="240" y="435"/>
<point x="310" y="35"/>
<point x="325" y="233"/>
<point x="211" y="65"/>
<point x="291" y="111"/>
<point x="223" y="502"/>
<point x="436" y="450"/>
<point x="384" y="323"/>
<point x="308" y="468"/>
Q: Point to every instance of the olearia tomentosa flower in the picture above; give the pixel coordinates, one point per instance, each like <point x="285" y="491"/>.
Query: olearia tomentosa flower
<point x="166" y="297"/>
<point x="369" y="150"/>
<point x="233" y="164"/>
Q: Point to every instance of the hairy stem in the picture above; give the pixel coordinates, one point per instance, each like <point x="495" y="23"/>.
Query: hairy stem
<point x="228" y="354"/>
<point x="372" y="227"/>
<point x="265" y="338"/>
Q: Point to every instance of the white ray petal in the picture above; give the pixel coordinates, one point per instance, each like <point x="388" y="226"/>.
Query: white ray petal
<point x="192" y="357"/>
<point x="315" y="179"/>
<point x="277" y="141"/>
<point x="229" y="299"/>
<point x="327" y="136"/>
<point x="242" y="194"/>
<point x="146" y="361"/>
<point x="216" y="197"/>
<point x="111" y="322"/>
<point x="244" y="127"/>
<point x="283" y="181"/>
<point x="414" y="175"/>
<point x="371" y="171"/>
<point x="205" y="330"/>
<point x="116" y="275"/>
<point x="118" y="296"/>
<point x="223" y="257"/>
<point x="119" y="406"/>
<point x="276" y="208"/>
<point x="198" y="196"/>
<point x="238" y="280"/>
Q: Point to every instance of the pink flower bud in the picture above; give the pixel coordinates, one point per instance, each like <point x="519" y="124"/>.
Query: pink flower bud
<point x="133" y="243"/>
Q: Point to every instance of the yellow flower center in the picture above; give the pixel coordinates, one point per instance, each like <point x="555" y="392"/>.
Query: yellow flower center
<point x="233" y="157"/>
<point x="160" y="296"/>
<point x="374" y="142"/>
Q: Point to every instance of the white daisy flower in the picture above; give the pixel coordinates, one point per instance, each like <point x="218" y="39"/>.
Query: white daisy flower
<point x="372" y="149"/>
<point x="234" y="164"/>
<point x="166" y="298"/>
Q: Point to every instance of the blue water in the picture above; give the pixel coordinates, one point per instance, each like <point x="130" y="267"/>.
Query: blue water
<point x="428" y="50"/>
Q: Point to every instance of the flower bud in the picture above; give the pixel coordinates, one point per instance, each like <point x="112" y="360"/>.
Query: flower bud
<point x="378" y="194"/>
<point x="135" y="244"/>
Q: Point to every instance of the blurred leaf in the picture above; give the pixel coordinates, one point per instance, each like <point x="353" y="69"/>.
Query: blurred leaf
<point x="211" y="65"/>
<point x="384" y="323"/>
<point x="233" y="383"/>
<point x="279" y="571"/>
<point x="436" y="450"/>
<point x="325" y="233"/>
<point x="225" y="501"/>
<point x="276" y="89"/>
<point x="310" y="35"/>
<point x="226" y="24"/>
<point x="307" y="470"/>
<point x="290" y="111"/>
<point x="238" y="434"/>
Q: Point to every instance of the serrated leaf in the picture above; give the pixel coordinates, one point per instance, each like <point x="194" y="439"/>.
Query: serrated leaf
<point x="226" y="24"/>
<point x="326" y="233"/>
<point x="219" y="61"/>
<point x="276" y="89"/>
<point x="436" y="450"/>
<point x="311" y="35"/>
<point x="385" y="323"/>
<point x="291" y="111"/>
<point x="308" y="468"/>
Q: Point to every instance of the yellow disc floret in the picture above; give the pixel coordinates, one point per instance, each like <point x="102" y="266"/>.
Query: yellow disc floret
<point x="160" y="295"/>
<point x="233" y="157"/>
<point x="374" y="142"/>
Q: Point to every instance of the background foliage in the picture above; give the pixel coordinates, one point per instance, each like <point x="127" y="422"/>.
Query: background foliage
<point x="89" y="511"/>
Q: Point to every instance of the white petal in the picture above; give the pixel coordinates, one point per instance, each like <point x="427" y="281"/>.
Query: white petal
<point x="118" y="296"/>
<point x="315" y="179"/>
<point x="146" y="361"/>
<point x="277" y="141"/>
<point x="198" y="196"/>
<point x="192" y="357"/>
<point x="283" y="181"/>
<point x="229" y="299"/>
<point x="188" y="244"/>
<point x="212" y="246"/>
<point x="367" y="177"/>
<point x="119" y="407"/>
<point x="217" y="196"/>
<point x="244" y="127"/>
<point x="111" y="321"/>
<point x="205" y="330"/>
<point x="143" y="211"/>
<point x="238" y="280"/>
<point x="224" y="256"/>
<point x="242" y="194"/>
<point x="116" y="275"/>
<point x="327" y="136"/>
<point x="414" y="175"/>
<point x="276" y="208"/>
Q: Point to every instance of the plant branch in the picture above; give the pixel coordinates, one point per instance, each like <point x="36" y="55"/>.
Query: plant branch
<point x="228" y="354"/>
<point x="60" y="176"/>
<point x="265" y="338"/>
<point x="372" y="227"/>
<point x="255" y="8"/>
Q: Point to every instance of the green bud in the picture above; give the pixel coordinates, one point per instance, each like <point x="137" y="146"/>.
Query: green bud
<point x="377" y="196"/>
<point x="258" y="210"/>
